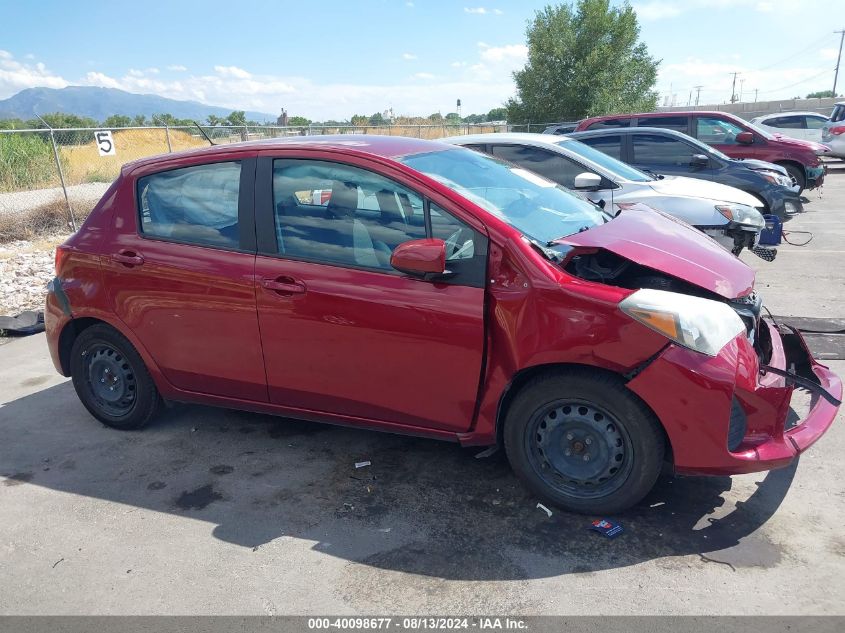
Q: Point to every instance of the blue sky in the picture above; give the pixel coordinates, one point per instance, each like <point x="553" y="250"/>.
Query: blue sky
<point x="332" y="59"/>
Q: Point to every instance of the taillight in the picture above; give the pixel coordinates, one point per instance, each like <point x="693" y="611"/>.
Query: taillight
<point x="61" y="256"/>
<point x="839" y="129"/>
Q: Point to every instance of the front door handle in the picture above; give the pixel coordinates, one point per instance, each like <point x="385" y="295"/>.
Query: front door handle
<point x="130" y="258"/>
<point x="284" y="286"/>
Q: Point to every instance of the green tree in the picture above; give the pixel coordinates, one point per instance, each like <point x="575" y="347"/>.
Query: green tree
<point x="237" y="117"/>
<point x="213" y="119"/>
<point x="453" y="117"/>
<point x="62" y="120"/>
<point x="821" y="94"/>
<point x="497" y="114"/>
<point x="377" y="119"/>
<point x="139" y="120"/>
<point x="299" y="121"/>
<point x="12" y="124"/>
<point x="435" y="118"/>
<point x="118" y="120"/>
<point x="583" y="60"/>
<point x="164" y="119"/>
<point x="359" y="120"/>
<point x="474" y="118"/>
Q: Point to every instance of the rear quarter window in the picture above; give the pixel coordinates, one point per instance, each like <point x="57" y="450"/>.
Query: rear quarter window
<point x="677" y="123"/>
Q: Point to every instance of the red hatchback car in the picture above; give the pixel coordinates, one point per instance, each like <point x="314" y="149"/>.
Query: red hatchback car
<point x="416" y="287"/>
<point x="732" y="136"/>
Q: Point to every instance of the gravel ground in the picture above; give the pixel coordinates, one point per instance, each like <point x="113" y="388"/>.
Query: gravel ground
<point x="81" y="197"/>
<point x="25" y="269"/>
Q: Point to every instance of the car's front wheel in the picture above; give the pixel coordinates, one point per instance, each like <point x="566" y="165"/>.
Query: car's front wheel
<point x="582" y="441"/>
<point x="111" y="379"/>
<point x="796" y="172"/>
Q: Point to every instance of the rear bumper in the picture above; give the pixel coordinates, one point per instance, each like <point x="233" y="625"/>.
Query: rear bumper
<point x="706" y="391"/>
<point x="56" y="315"/>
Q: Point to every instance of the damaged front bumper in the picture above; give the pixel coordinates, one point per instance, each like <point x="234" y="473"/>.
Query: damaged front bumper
<point x="731" y="413"/>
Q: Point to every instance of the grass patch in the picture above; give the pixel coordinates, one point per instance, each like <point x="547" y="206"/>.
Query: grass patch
<point x="26" y="162"/>
<point x="41" y="222"/>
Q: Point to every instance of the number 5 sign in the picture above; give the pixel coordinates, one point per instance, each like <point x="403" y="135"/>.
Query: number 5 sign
<point x="105" y="143"/>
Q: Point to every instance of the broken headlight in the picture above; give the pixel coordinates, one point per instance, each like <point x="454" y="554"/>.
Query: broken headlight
<point x="742" y="214"/>
<point x="702" y="325"/>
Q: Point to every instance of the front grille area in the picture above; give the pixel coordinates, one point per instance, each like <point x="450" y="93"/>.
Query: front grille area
<point x="737" y="426"/>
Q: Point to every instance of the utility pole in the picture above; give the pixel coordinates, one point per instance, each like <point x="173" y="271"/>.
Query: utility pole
<point x="697" y="93"/>
<point x="733" y="89"/>
<point x="755" y="94"/>
<point x="838" y="59"/>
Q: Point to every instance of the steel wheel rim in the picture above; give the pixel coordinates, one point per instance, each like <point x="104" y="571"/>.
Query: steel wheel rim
<point x="579" y="449"/>
<point x="110" y="380"/>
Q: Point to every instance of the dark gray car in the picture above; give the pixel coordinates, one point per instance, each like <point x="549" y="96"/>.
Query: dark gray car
<point x="672" y="153"/>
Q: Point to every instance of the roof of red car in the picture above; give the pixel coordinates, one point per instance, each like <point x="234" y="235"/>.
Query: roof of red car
<point x="385" y="146"/>
<point x="663" y="113"/>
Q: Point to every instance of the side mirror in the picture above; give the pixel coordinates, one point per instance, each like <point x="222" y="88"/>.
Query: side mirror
<point x="699" y="160"/>
<point x="745" y="138"/>
<point x="420" y="258"/>
<point x="588" y="181"/>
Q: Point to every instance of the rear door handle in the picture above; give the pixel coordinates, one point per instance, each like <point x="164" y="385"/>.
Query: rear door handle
<point x="130" y="258"/>
<point x="284" y="285"/>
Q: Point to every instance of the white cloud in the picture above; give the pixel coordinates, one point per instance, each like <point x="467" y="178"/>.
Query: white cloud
<point x="408" y="56"/>
<point x="475" y="10"/>
<point x="423" y="76"/>
<point x="177" y="68"/>
<point x="829" y="54"/>
<point x="136" y="73"/>
<point x="409" y="4"/>
<point x="515" y="53"/>
<point x="16" y="76"/>
<point x="498" y="11"/>
<point x="232" y="71"/>
<point x="458" y="64"/>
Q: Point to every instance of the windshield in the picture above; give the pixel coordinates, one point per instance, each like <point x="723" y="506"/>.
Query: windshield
<point x="538" y="208"/>
<point x="608" y="163"/>
<point x="766" y="135"/>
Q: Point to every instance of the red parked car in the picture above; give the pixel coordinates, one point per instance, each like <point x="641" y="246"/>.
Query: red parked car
<point x="732" y="136"/>
<point x="433" y="291"/>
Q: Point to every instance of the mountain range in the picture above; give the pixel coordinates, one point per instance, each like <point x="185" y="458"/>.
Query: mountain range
<point x="100" y="103"/>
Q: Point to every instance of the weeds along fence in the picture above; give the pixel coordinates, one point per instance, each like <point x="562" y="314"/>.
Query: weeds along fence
<point x="67" y="159"/>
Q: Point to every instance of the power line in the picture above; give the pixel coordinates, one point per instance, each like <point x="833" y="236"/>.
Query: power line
<point x="838" y="59"/>
<point x="794" y="55"/>
<point x="796" y="83"/>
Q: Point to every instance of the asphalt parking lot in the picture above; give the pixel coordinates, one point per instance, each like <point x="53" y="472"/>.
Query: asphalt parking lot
<point x="220" y="512"/>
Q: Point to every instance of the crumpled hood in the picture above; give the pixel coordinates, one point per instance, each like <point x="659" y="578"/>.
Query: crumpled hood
<point x="661" y="242"/>
<point x="761" y="165"/>
<point x="697" y="188"/>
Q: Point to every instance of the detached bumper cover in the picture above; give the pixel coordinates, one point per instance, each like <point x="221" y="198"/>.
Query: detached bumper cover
<point x="815" y="176"/>
<point x="693" y="396"/>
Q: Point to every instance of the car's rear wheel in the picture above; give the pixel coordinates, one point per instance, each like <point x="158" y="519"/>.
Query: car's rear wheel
<point x="582" y="441"/>
<point x="111" y="379"/>
<point x="797" y="174"/>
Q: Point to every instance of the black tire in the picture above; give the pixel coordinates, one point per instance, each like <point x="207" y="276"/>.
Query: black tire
<point x="576" y="406"/>
<point x="111" y="379"/>
<point x="796" y="172"/>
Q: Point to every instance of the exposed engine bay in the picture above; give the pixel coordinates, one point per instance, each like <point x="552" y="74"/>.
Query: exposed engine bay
<point x="605" y="267"/>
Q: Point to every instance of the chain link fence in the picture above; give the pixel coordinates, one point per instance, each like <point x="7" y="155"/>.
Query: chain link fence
<point x="46" y="168"/>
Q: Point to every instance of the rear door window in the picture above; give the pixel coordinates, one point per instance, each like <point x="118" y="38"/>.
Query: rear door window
<point x="553" y="166"/>
<point x="610" y="145"/>
<point x="787" y="122"/>
<point x="652" y="149"/>
<point x="677" y="123"/>
<point x="838" y="114"/>
<point x="196" y="205"/>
